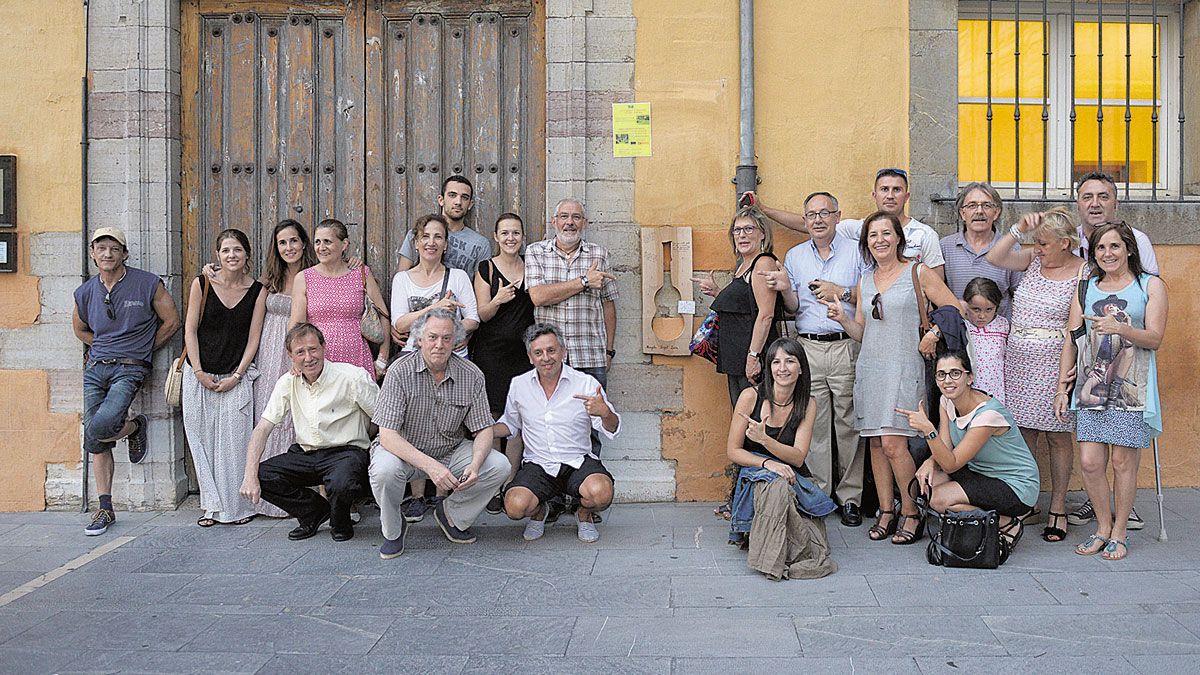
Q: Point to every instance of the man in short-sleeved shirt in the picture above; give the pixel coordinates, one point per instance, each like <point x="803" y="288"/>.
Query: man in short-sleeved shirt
<point x="122" y="314"/>
<point x="434" y="421"/>
<point x="465" y="248"/>
<point x="555" y="408"/>
<point x="1097" y="203"/>
<point x="572" y="286"/>
<point x="331" y="406"/>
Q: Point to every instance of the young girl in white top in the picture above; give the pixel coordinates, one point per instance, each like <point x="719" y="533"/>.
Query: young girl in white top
<point x="987" y="335"/>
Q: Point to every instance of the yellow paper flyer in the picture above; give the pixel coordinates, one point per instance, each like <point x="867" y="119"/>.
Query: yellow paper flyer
<point x="631" y="130"/>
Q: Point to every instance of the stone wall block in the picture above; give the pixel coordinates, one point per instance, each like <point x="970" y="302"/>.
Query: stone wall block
<point x="113" y="161"/>
<point x="610" y="201"/>
<point x="58" y="298"/>
<point x="564" y="40"/>
<point x="642" y="481"/>
<point x="646" y="388"/>
<point x="631" y="443"/>
<point x="66" y="390"/>
<point x="611" y="39"/>
<point x="39" y="346"/>
<point x="601" y="163"/>
<point x="112" y="47"/>
<point x="616" y="76"/>
<point x="49" y="251"/>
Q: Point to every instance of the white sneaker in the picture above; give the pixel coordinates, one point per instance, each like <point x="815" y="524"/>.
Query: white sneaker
<point x="534" y="529"/>
<point x="588" y="533"/>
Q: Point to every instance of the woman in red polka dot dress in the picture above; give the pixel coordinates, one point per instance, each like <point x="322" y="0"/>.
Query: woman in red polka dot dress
<point x="330" y="296"/>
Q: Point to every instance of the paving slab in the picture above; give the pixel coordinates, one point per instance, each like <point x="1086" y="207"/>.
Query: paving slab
<point x="474" y="636"/>
<point x="758" y="591"/>
<point x="365" y="665"/>
<point x="1093" y="636"/>
<point x="549" y="665"/>
<point x="113" y="631"/>
<point x="34" y="661"/>
<point x="809" y="665"/>
<point x="355" y="561"/>
<point x="377" y="594"/>
<point x="272" y="590"/>
<point x="1115" y="587"/>
<point x="1043" y="663"/>
<point x="950" y="587"/>
<point x="479" y="560"/>
<point x="129" y="663"/>
<point x="896" y="636"/>
<point x="222" y="561"/>
<point x="104" y="591"/>
<point x="655" y="563"/>
<point x="687" y="636"/>
<point x="581" y="595"/>
<point x="291" y="634"/>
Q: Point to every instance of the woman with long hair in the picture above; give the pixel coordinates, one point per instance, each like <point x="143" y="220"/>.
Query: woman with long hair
<point x="218" y="390"/>
<point x="890" y="372"/>
<point x="1122" y="316"/>
<point x="769" y="439"/>
<point x="979" y="460"/>
<point x="1040" y="307"/>
<point x="505" y="311"/>
<point x="329" y="295"/>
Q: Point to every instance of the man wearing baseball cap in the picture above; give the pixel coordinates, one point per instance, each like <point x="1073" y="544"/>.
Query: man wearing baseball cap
<point x="122" y="314"/>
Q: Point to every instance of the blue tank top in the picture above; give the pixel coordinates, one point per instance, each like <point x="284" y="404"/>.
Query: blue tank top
<point x="129" y="334"/>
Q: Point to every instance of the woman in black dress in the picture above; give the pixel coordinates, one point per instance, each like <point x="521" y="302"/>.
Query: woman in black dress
<point x="505" y="311"/>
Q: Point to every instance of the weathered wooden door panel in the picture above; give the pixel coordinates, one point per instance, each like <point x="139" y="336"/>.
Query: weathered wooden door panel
<point x="278" y="117"/>
<point x="454" y="80"/>
<point x="357" y="110"/>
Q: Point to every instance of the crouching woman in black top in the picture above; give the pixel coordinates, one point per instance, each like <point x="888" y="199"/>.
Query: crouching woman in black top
<point x="769" y="439"/>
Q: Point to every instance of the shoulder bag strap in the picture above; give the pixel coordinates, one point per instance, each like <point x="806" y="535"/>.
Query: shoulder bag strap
<point x="204" y="286"/>
<point x="922" y="303"/>
<point x="445" y="282"/>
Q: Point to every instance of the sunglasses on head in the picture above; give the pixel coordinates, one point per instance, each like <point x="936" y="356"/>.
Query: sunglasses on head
<point x="891" y="172"/>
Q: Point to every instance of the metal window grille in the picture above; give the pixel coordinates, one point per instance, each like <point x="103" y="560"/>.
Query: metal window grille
<point x="1062" y="107"/>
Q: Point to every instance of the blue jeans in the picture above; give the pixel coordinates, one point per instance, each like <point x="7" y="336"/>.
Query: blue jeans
<point x="809" y="498"/>
<point x="108" y="389"/>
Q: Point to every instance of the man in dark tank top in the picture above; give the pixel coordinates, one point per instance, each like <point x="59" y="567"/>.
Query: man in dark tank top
<point x="122" y="315"/>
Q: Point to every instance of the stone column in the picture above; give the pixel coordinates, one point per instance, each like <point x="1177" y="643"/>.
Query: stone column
<point x="134" y="183"/>
<point x="589" y="66"/>
<point x="933" y="111"/>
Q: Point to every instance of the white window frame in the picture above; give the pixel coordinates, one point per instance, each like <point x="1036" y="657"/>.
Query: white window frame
<point x="1059" y="161"/>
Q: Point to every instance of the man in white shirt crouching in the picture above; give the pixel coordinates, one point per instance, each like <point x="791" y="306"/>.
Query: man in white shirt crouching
<point x="555" y="408"/>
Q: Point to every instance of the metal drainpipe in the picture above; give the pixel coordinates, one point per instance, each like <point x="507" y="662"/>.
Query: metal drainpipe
<point x="746" y="178"/>
<point x="84" y="272"/>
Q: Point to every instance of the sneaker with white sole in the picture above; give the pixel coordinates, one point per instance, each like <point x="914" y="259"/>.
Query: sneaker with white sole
<point x="1082" y="515"/>
<point x="100" y="522"/>
<point x="588" y="533"/>
<point x="1135" y="521"/>
<point x="136" y="441"/>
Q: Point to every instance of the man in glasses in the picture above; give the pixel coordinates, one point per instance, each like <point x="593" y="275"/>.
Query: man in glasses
<point x="1096" y="199"/>
<point x="826" y="268"/>
<point x="122" y="314"/>
<point x="891" y="195"/>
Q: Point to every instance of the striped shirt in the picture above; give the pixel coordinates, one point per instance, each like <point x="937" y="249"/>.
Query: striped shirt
<point x="434" y="416"/>
<point x="964" y="263"/>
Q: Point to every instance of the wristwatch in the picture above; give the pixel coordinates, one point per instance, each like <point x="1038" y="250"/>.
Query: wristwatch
<point x="846" y="295"/>
<point x="612" y="353"/>
<point x="754" y="354"/>
<point x="583" y="280"/>
<point x="931" y="435"/>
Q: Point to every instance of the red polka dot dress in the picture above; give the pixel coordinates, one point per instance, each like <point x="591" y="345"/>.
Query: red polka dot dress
<point x="335" y="305"/>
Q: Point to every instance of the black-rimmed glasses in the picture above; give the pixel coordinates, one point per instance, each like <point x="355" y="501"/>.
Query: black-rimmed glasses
<point x="952" y="374"/>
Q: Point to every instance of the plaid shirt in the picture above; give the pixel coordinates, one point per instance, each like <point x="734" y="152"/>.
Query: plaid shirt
<point x="435" y="417"/>
<point x="580" y="317"/>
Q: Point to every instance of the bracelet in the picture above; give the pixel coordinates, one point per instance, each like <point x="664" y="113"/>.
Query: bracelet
<point x="1017" y="234"/>
<point x="236" y="374"/>
<point x="764" y="463"/>
<point x="1062" y="393"/>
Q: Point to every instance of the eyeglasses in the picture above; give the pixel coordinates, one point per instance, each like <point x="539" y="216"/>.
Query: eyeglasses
<point x="877" y="307"/>
<point x="108" y="306"/>
<point x="953" y="374"/>
<point x="823" y="213"/>
<point x="979" y="206"/>
<point x="745" y="229"/>
<point x="891" y="172"/>
<point x="576" y="217"/>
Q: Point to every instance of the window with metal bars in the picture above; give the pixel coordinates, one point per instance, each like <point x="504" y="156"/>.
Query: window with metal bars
<point x="1049" y="91"/>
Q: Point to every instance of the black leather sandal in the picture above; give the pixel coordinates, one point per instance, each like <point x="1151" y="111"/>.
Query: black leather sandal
<point x="879" y="531"/>
<point x="1054" y="534"/>
<point x="905" y="537"/>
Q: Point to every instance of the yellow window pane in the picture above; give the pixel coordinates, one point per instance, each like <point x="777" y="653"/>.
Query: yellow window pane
<point x="1141" y="143"/>
<point x="1087" y="65"/>
<point x="973" y="62"/>
<point x="973" y="143"/>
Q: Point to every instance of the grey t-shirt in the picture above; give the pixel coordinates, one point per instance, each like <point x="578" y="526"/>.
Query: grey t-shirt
<point x="465" y="250"/>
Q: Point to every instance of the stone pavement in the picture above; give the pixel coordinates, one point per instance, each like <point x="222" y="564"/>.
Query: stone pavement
<point x="661" y="592"/>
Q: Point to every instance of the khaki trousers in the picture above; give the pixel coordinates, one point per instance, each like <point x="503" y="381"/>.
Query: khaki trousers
<point x="832" y="368"/>
<point x="390" y="475"/>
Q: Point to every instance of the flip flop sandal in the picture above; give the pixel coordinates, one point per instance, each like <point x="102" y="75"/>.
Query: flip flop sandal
<point x="205" y="521"/>
<point x="243" y="521"/>
<point x="1111" y="549"/>
<point x="1085" y="548"/>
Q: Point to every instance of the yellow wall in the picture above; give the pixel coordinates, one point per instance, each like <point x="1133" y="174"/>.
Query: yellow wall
<point x="830" y="111"/>
<point x="41" y="62"/>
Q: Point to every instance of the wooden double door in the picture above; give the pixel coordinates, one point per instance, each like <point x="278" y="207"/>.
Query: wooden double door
<point x="357" y="110"/>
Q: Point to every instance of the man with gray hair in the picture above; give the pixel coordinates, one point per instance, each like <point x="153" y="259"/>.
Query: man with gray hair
<point x="555" y="408"/>
<point x="434" y="421"/>
<point x="572" y="286"/>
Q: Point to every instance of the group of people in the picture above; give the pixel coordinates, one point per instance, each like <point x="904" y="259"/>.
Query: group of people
<point x="287" y="388"/>
<point x="950" y="358"/>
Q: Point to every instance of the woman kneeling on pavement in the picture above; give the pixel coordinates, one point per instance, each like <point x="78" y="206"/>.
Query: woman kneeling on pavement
<point x="980" y="460"/>
<point x="775" y="505"/>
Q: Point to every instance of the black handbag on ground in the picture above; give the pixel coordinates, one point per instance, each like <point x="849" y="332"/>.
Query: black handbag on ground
<point x="968" y="539"/>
